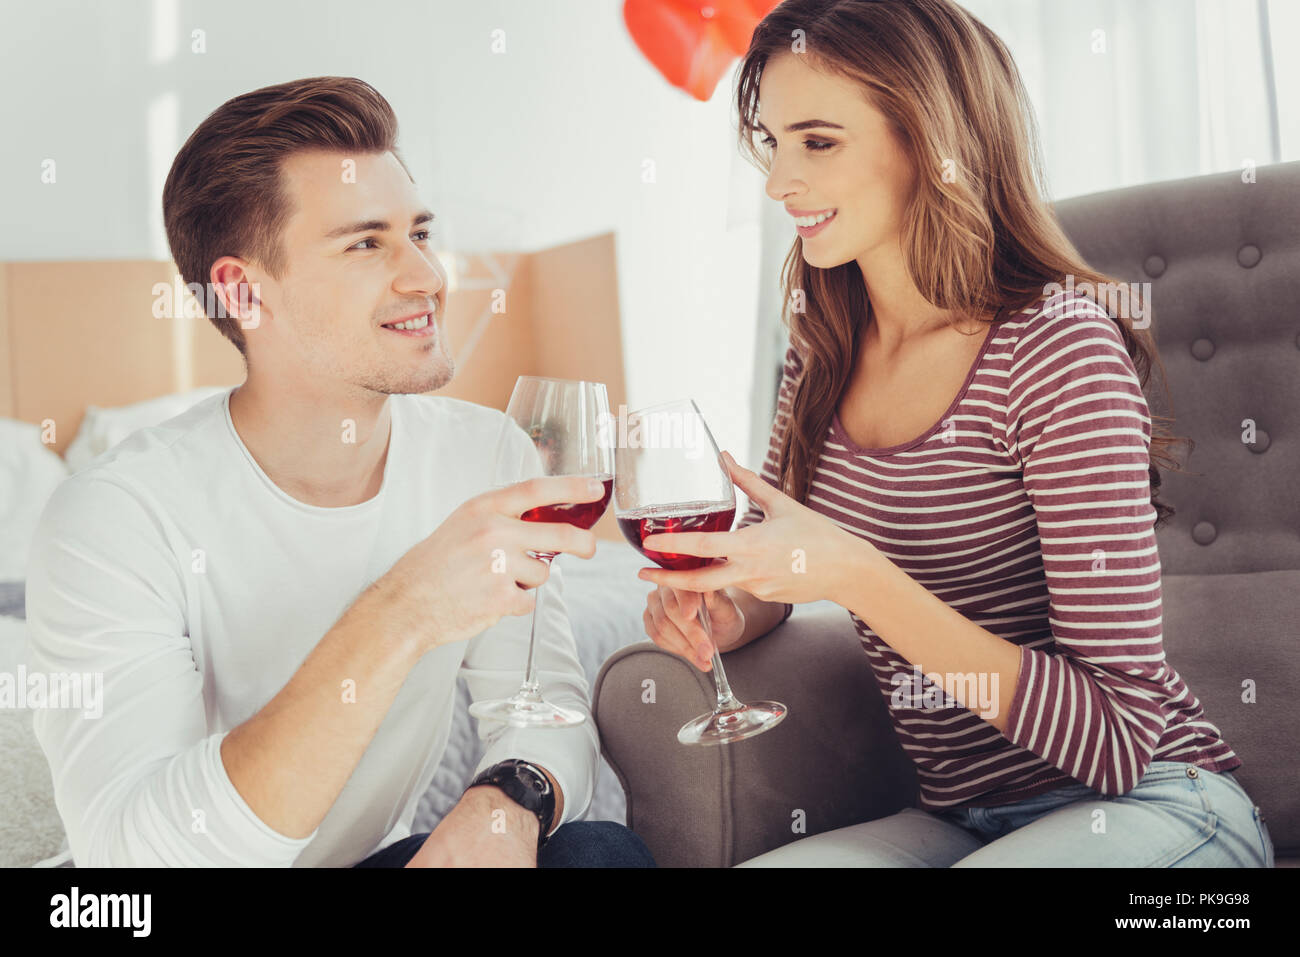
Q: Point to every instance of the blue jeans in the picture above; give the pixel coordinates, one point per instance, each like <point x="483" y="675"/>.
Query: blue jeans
<point x="576" y="844"/>
<point x="1177" y="816"/>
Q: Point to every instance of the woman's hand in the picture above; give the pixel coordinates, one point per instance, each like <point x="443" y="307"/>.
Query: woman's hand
<point x="794" y="555"/>
<point x="672" y="622"/>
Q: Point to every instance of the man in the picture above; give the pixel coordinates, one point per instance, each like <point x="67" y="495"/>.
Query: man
<point x="281" y="585"/>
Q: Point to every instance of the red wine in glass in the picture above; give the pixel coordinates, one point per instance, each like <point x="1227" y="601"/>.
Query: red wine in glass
<point x="582" y="514"/>
<point x="639" y="524"/>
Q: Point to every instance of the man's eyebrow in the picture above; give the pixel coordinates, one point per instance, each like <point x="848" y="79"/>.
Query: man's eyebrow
<point x="376" y="225"/>
<point x="803" y="125"/>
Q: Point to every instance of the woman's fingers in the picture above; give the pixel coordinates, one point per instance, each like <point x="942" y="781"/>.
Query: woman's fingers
<point x="664" y="634"/>
<point x="668" y="636"/>
<point x="683" y="608"/>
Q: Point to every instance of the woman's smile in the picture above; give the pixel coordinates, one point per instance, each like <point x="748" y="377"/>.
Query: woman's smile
<point x="810" y="225"/>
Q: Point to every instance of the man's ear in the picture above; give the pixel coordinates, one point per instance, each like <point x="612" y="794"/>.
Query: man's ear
<point x="231" y="280"/>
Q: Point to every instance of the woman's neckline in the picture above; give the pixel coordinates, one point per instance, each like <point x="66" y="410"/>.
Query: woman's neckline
<point x="841" y="435"/>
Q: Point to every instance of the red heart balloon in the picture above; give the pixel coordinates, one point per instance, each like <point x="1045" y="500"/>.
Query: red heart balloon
<point x="693" y="42"/>
<point x="738" y="18"/>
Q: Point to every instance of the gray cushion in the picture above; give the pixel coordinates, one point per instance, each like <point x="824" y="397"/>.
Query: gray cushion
<point x="1221" y="631"/>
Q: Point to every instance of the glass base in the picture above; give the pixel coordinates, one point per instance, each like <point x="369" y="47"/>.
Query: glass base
<point x="526" y="713"/>
<point x="724" y="727"/>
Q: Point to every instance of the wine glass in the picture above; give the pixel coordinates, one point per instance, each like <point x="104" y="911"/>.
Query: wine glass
<point x="669" y="477"/>
<point x="553" y="427"/>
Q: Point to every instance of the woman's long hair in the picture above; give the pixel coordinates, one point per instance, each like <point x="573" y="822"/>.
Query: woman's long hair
<point x="978" y="237"/>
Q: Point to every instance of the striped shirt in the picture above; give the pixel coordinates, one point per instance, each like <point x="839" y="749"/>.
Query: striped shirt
<point x="1027" y="509"/>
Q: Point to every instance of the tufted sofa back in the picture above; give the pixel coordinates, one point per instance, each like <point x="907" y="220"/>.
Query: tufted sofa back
<point x="1222" y="258"/>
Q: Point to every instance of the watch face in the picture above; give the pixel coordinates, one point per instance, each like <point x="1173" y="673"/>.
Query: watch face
<point x="534" y="779"/>
<point x="526" y="785"/>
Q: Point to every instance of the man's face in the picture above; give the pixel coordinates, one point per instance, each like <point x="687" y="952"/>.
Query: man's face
<point x="358" y="255"/>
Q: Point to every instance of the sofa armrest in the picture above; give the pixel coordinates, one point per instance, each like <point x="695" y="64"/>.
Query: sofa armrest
<point x="833" y="761"/>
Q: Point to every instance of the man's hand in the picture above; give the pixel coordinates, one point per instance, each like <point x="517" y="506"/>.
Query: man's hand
<point x="477" y="565"/>
<point x="485" y="829"/>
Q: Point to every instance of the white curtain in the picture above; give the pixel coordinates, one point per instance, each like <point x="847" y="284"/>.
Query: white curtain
<point x="1137" y="91"/>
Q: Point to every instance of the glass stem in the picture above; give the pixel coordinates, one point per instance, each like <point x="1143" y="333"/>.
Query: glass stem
<point x="726" y="700"/>
<point x="529" y="690"/>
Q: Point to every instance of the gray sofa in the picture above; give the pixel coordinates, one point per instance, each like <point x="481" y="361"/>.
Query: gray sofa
<point x="1223" y="260"/>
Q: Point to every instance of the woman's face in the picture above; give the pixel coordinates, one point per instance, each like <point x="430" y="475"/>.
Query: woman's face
<point x="848" y="159"/>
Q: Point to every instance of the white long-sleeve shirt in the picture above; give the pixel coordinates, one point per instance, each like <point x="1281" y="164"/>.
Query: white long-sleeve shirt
<point x="178" y="570"/>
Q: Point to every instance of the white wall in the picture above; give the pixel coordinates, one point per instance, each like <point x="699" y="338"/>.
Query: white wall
<point x="538" y="145"/>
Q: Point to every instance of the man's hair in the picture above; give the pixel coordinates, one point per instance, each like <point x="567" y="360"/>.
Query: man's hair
<point x="225" y="196"/>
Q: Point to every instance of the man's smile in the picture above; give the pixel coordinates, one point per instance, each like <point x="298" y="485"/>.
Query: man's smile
<point x="420" y="327"/>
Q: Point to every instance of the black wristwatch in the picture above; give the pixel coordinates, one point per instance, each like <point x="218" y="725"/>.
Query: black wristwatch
<point x="528" y="786"/>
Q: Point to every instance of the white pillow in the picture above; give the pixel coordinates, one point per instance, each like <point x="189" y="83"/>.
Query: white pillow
<point x="29" y="472"/>
<point x="101" y="429"/>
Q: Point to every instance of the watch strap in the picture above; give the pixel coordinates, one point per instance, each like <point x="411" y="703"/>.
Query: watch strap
<point x="525" y="784"/>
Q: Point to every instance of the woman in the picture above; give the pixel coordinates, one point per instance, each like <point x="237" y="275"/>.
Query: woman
<point x="964" y="457"/>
